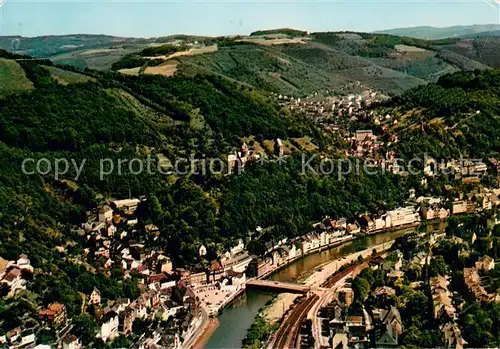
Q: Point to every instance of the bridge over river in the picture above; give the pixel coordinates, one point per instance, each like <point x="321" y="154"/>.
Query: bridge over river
<point x="236" y="319"/>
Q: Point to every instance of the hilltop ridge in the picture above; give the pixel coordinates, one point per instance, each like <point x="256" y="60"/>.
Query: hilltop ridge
<point x="435" y="33"/>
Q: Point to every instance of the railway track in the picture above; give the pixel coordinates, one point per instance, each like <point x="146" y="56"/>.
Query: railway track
<point x="333" y="280"/>
<point x="288" y="331"/>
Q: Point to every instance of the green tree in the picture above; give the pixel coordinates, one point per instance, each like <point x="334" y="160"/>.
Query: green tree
<point x="85" y="327"/>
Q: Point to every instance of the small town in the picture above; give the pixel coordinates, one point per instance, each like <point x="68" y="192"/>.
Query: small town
<point x="354" y="301"/>
<point x="249" y="174"/>
<point x="174" y="305"/>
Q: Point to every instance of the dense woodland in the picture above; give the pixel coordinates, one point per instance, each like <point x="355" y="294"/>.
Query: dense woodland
<point x="460" y="114"/>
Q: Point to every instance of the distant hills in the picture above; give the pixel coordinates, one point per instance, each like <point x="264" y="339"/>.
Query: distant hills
<point x="285" y="61"/>
<point x="212" y="97"/>
<point x="434" y="33"/>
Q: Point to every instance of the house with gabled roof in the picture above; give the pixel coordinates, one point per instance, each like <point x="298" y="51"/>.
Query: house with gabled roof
<point x="485" y="263"/>
<point x="95" y="296"/>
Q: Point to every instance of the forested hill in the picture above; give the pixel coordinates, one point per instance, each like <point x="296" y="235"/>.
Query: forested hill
<point x="52" y="112"/>
<point x="68" y="114"/>
<point x="284" y="61"/>
<point x="459" y="115"/>
<point x="55" y="112"/>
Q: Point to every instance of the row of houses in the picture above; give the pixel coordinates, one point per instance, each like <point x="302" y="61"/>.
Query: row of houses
<point x="473" y="282"/>
<point x="396" y="219"/>
<point x="117" y="317"/>
<point x="353" y="331"/>
<point x="479" y="200"/>
<point x="465" y="169"/>
<point x="232" y="262"/>
<point x="482" y="199"/>
<point x="444" y="311"/>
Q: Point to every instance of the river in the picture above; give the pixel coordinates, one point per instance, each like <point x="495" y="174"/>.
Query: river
<point x="239" y="316"/>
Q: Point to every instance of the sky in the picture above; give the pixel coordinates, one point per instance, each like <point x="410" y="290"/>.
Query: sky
<point x="141" y="18"/>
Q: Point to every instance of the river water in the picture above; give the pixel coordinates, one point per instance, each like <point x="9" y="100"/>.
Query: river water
<point x="239" y="316"/>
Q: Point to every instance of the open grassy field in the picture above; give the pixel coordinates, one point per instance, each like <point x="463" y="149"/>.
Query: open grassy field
<point x="305" y="144"/>
<point x="191" y="52"/>
<point x="98" y="59"/>
<point x="297" y="69"/>
<point x="12" y="78"/>
<point x="406" y="48"/>
<point x="98" y="51"/>
<point x="166" y="69"/>
<point x="65" y="77"/>
<point x="130" y="71"/>
<point x="274" y="41"/>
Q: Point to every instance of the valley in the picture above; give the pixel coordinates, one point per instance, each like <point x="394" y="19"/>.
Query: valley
<point x="328" y="137"/>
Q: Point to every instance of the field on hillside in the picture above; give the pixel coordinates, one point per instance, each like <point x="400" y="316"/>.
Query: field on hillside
<point x="429" y="68"/>
<point x="264" y="67"/>
<point x="12" y="78"/>
<point x="296" y="70"/>
<point x="130" y="71"/>
<point x="484" y="50"/>
<point x="167" y="69"/>
<point x="191" y="52"/>
<point x="65" y="77"/>
<point x="284" y="61"/>
<point x="98" y="59"/>
<point x="45" y="46"/>
<point x="419" y="58"/>
<point x="274" y="41"/>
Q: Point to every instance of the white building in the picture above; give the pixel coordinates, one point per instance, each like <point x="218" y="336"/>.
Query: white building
<point x="401" y="216"/>
<point x="240" y="247"/>
<point x="23" y="263"/>
<point x="95" y="297"/>
<point x="202" y="251"/>
<point x="109" y="328"/>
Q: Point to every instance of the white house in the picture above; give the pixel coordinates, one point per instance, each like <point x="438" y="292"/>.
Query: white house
<point x="202" y="251"/>
<point x="109" y="328"/>
<point x="238" y="248"/>
<point x="401" y="216"/>
<point x="95" y="297"/>
<point x="23" y="263"/>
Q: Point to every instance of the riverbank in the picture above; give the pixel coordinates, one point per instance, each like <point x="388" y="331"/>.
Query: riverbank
<point x="320" y="276"/>
<point x="279" y="307"/>
<point x="208" y="331"/>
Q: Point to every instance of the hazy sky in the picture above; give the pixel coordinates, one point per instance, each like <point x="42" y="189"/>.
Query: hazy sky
<point x="159" y="17"/>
